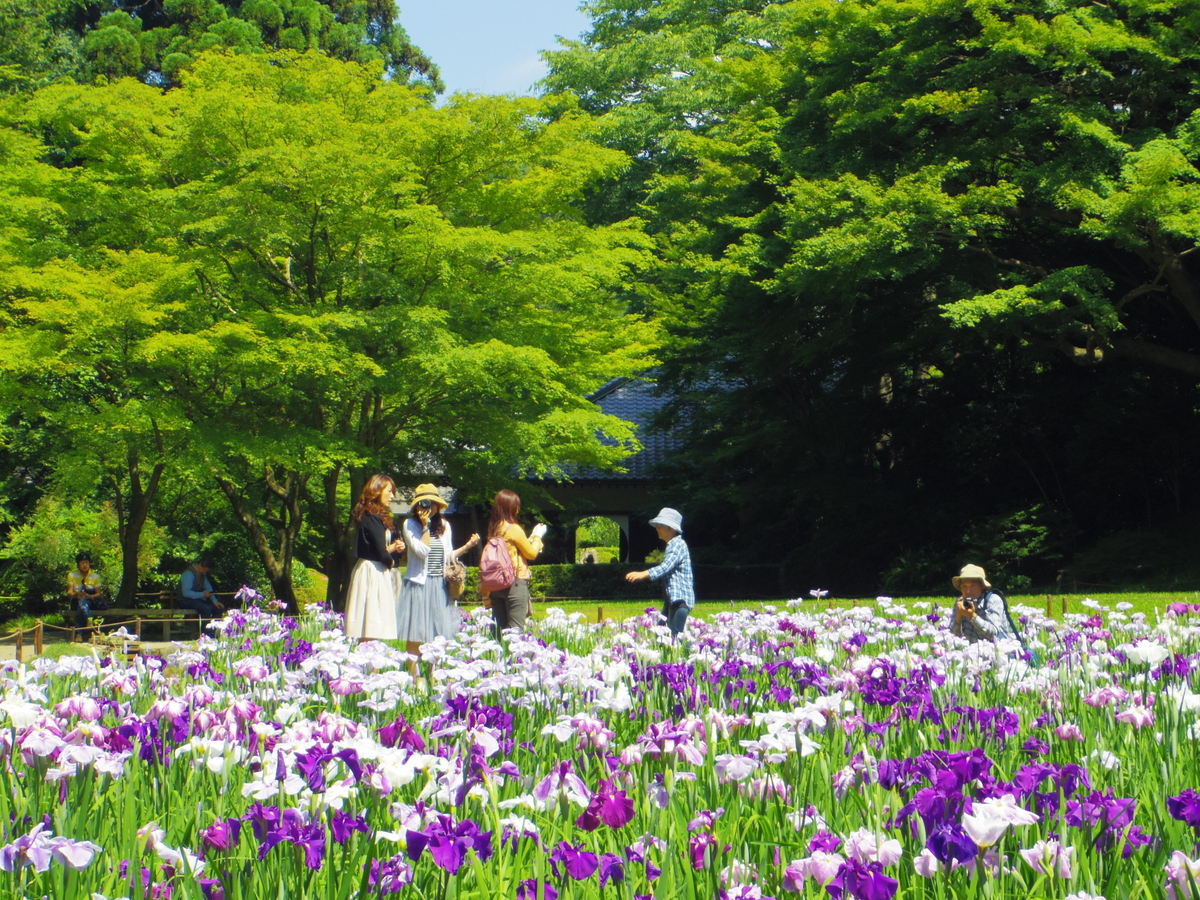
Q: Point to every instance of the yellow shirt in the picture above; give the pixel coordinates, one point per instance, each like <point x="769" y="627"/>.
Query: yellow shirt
<point x="520" y="548"/>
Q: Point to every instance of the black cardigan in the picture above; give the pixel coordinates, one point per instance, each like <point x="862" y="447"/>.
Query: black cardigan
<point x="372" y="541"/>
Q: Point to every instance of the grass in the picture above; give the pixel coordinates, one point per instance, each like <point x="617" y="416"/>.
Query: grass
<point x="619" y="610"/>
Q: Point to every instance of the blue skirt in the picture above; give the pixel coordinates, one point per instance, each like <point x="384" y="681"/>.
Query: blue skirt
<point x="426" y="611"/>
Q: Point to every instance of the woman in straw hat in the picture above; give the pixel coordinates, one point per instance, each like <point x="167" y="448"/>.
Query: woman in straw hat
<point x="371" y="600"/>
<point x="980" y="613"/>
<point x="426" y="610"/>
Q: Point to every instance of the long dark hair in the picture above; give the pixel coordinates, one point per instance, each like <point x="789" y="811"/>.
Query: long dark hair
<point x="505" y="508"/>
<point x="436" y="523"/>
<point x="369" y="503"/>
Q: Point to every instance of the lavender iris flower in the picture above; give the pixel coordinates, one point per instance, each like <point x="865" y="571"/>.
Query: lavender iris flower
<point x="31" y="849"/>
<point x="73" y="854"/>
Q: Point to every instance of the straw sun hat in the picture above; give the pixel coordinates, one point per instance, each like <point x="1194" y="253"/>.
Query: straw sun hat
<point x="970" y="571"/>
<point x="428" y="492"/>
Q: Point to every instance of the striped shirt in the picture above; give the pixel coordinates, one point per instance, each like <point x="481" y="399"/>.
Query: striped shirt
<point x="435" y="562"/>
<point x="76" y="580"/>
<point x="677" y="568"/>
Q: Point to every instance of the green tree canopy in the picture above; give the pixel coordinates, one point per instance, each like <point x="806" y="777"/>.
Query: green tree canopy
<point x="910" y="248"/>
<point x="322" y="274"/>
<point x="156" y="41"/>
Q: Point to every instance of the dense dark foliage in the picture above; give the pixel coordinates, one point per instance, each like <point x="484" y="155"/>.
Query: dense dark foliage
<point x="928" y="268"/>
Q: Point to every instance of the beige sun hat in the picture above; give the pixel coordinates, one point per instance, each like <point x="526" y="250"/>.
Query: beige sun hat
<point x="428" y="492"/>
<point x="969" y="571"/>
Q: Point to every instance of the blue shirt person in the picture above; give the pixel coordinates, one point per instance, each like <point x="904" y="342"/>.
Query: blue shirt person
<point x="196" y="591"/>
<point x="675" y="571"/>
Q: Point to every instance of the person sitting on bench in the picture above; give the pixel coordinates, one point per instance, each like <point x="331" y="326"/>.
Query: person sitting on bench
<point x="196" y="591"/>
<point x="83" y="586"/>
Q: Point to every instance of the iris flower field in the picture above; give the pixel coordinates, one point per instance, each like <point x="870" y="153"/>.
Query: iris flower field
<point x="791" y="751"/>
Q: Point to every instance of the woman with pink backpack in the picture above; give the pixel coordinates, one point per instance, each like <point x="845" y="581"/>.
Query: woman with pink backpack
<point x="504" y="567"/>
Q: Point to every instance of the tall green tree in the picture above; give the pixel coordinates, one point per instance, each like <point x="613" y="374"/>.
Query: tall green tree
<point x="909" y="248"/>
<point x="156" y="41"/>
<point x="369" y="281"/>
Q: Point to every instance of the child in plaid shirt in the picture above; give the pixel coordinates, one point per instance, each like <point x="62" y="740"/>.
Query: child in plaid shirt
<point x="675" y="571"/>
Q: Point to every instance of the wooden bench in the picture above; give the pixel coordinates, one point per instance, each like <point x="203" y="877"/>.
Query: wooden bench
<point x="165" y="613"/>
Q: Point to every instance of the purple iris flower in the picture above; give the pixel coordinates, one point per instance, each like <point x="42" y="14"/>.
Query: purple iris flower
<point x="389" y="876"/>
<point x="311" y="766"/>
<point x="608" y="805"/>
<point x="611" y="869"/>
<point x="698" y="844"/>
<point x="577" y="862"/>
<point x="863" y="882"/>
<point x="448" y="843"/>
<point x="1185" y="808"/>
<point x="530" y="889"/>
<point x="824" y="841"/>
<point x="262" y="819"/>
<point x="950" y="844"/>
<point x="400" y="734"/>
<point x="343" y="825"/>
<point x="221" y="835"/>
<point x="349" y="756"/>
<point x="292" y="830"/>
<point x="1036" y="747"/>
<point x="212" y="889"/>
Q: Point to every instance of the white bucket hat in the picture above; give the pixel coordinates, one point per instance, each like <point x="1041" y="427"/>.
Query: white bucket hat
<point x="970" y="571"/>
<point x="669" y="517"/>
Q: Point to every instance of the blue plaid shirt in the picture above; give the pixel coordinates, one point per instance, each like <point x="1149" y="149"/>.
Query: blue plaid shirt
<point x="677" y="566"/>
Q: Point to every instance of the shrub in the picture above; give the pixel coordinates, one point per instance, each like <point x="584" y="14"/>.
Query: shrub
<point x="46" y="544"/>
<point x="607" y="582"/>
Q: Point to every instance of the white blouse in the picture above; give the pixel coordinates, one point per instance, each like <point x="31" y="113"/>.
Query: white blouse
<point x="418" y="551"/>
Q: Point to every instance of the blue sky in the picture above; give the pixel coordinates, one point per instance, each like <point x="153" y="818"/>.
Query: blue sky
<point x="490" y="46"/>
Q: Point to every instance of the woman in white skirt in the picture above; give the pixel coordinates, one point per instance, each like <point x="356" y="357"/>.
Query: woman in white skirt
<point x="426" y="610"/>
<point x="371" y="602"/>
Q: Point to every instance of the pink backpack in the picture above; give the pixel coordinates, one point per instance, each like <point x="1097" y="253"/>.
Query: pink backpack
<point x="496" y="572"/>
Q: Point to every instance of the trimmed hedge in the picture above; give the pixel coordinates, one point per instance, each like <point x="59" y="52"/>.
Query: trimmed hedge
<point x="606" y="581"/>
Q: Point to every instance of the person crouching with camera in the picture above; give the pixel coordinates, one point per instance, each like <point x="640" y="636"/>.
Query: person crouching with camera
<point x="981" y="613"/>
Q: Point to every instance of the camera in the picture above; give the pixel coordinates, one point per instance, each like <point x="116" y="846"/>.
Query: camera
<point x="424" y="504"/>
<point x="968" y="604"/>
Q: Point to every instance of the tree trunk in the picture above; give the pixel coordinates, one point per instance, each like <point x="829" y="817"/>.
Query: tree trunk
<point x="278" y="568"/>
<point x="342" y="534"/>
<point x="132" y="513"/>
